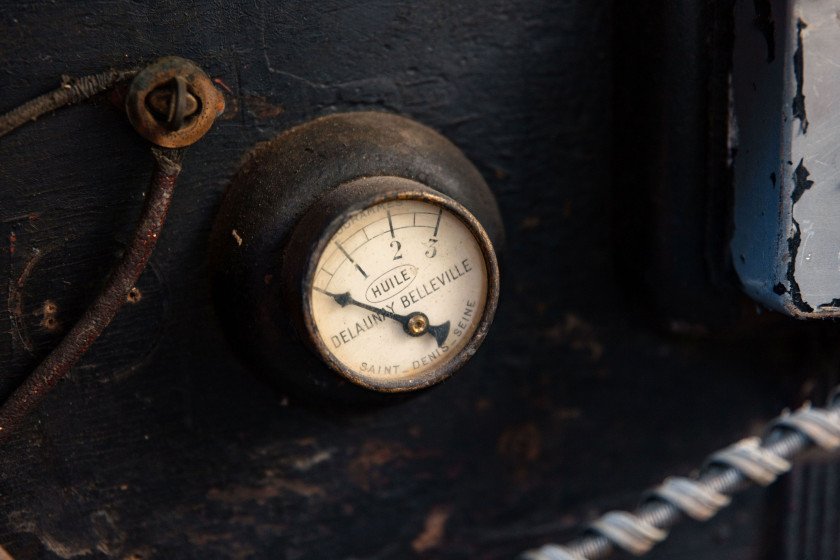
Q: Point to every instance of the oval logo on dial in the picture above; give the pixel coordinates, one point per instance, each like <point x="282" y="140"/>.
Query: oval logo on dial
<point x="391" y="283"/>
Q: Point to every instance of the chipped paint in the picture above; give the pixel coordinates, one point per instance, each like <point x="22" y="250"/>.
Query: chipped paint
<point x="364" y="469"/>
<point x="801" y="184"/>
<point x="434" y="529"/>
<point x="304" y="463"/>
<point x="786" y="245"/>
<point x="270" y="487"/>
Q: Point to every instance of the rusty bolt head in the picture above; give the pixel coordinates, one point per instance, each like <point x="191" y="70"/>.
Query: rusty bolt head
<point x="173" y="103"/>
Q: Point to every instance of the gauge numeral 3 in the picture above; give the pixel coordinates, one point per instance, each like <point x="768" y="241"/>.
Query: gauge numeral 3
<point x="432" y="250"/>
<point x="397" y="254"/>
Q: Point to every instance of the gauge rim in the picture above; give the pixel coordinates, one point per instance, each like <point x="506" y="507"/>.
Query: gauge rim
<point x="433" y="376"/>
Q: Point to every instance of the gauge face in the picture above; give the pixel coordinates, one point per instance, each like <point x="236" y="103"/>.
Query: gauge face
<point x="402" y="292"/>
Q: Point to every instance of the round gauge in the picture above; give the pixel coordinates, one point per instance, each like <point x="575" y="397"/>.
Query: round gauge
<point x="356" y="255"/>
<point x="399" y="293"/>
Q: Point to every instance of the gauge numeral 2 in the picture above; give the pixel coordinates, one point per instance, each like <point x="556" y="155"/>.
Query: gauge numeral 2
<point x="432" y="250"/>
<point x="397" y="255"/>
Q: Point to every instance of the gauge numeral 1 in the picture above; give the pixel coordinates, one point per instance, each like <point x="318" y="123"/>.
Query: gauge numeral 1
<point x="346" y="254"/>
<point x="432" y="250"/>
<point x="397" y="255"/>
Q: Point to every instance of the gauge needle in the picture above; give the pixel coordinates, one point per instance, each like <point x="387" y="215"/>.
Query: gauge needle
<point x="415" y="324"/>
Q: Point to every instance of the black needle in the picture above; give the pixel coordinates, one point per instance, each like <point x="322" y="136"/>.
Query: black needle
<point x="415" y="324"/>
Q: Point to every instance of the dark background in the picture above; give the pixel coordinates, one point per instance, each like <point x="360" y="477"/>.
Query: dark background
<point x="621" y="351"/>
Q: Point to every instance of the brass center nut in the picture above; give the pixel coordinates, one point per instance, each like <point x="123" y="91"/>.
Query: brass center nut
<point x="173" y="103"/>
<point x="417" y="324"/>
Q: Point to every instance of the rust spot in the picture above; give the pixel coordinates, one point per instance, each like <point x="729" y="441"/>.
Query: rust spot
<point x="231" y="108"/>
<point x="267" y="279"/>
<point x="134" y="295"/>
<point x="500" y="174"/>
<point x="567" y="210"/>
<point x="567" y="414"/>
<point x="483" y="404"/>
<point x="261" y="107"/>
<point x="433" y="530"/>
<point x="48" y="311"/>
<point x="578" y="334"/>
<point x="521" y="443"/>
<point x="531" y="222"/>
<point x="223" y="544"/>
<point x="201" y="539"/>
<point x="224" y="85"/>
<point x="363" y="469"/>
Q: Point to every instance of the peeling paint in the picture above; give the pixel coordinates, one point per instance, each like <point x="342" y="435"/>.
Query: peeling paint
<point x="793" y="247"/>
<point x="65" y="548"/>
<point x="801" y="183"/>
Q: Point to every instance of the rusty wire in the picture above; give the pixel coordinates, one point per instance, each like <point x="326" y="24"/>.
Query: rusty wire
<point x="72" y="91"/>
<point x="121" y="281"/>
<point x="56" y="365"/>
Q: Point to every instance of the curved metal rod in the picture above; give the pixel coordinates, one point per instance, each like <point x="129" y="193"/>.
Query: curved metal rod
<point x="71" y="91"/>
<point x="55" y="366"/>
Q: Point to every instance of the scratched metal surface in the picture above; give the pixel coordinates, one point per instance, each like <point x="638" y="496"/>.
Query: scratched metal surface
<point x="785" y="239"/>
<point x="160" y="445"/>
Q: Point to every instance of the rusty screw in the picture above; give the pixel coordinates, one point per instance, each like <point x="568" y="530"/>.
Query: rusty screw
<point x="173" y="103"/>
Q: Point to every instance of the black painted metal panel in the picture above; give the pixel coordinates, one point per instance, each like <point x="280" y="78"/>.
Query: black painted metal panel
<point x="160" y="444"/>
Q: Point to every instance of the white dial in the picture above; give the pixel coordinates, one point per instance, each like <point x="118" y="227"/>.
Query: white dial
<point x="401" y="290"/>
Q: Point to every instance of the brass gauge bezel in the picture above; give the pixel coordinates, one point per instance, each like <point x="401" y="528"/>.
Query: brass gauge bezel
<point x="393" y="189"/>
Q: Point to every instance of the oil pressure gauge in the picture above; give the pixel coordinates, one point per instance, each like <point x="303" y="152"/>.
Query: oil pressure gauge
<point x="357" y="253"/>
<point x="399" y="291"/>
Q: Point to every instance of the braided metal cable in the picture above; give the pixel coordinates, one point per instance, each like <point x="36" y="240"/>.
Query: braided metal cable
<point x="724" y="473"/>
<point x="71" y="91"/>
